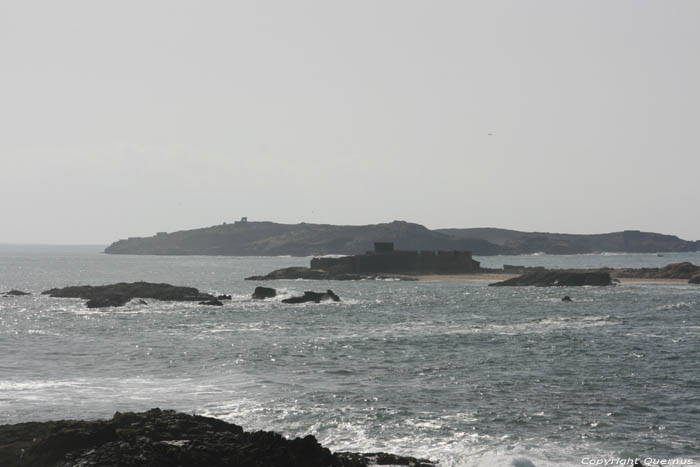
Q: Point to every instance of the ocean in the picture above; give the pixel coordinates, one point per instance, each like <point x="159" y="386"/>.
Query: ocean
<point x="454" y="371"/>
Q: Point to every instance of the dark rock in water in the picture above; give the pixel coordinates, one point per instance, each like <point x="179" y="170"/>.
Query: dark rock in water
<point x="212" y="302"/>
<point x="160" y="438"/>
<point x="566" y="299"/>
<point x="292" y="273"/>
<point x="121" y="293"/>
<point x="382" y="458"/>
<point x="550" y="278"/>
<point x="16" y="293"/>
<point x="261" y="293"/>
<point x="694" y="280"/>
<point x="224" y="297"/>
<point x="111" y="300"/>
<point x="296" y="272"/>
<point x="316" y="297"/>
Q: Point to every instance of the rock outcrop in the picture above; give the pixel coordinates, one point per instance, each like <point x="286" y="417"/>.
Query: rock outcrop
<point x="297" y="272"/>
<point x="119" y="294"/>
<point x="683" y="270"/>
<point x="160" y="438"/>
<point x="694" y="280"/>
<point x="315" y="297"/>
<point x="551" y="278"/>
<point x="15" y="293"/>
<point x="261" y="293"/>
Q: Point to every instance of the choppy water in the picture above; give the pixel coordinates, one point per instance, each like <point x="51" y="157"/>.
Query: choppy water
<point x="454" y="371"/>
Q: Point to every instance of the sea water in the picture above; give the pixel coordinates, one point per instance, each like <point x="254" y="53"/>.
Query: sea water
<point x="454" y="371"/>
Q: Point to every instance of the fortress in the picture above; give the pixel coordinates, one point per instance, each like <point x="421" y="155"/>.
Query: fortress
<point x="384" y="259"/>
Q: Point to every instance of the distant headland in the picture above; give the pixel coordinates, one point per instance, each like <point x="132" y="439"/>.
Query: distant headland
<point x="244" y="238"/>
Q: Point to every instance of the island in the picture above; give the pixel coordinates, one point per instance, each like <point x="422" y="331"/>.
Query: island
<point x="247" y="238"/>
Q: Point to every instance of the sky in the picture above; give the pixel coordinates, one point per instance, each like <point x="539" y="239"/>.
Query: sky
<point x="122" y="119"/>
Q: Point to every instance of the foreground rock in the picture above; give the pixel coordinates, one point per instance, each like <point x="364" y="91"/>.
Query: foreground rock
<point x="558" y="278"/>
<point x="294" y="273"/>
<point x="160" y="438"/>
<point x="315" y="297"/>
<point x="119" y="294"/>
<point x="261" y="293"/>
<point x="15" y="293"/>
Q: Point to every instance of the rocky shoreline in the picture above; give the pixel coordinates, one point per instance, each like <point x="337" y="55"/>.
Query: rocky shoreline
<point x="160" y="438"/>
<point x="525" y="275"/>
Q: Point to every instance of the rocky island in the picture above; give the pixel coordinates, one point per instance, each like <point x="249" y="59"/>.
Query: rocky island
<point x="120" y="294"/>
<point x="549" y="278"/>
<point x="162" y="438"/>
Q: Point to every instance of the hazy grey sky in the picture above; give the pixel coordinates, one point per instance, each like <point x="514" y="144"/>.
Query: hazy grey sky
<point x="125" y="118"/>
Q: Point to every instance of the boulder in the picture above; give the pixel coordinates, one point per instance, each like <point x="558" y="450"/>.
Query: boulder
<point x="121" y="293"/>
<point x="261" y="293"/>
<point x="694" y="279"/>
<point x="160" y="438"/>
<point x="566" y="299"/>
<point x="224" y="297"/>
<point x="551" y="278"/>
<point x="315" y="297"/>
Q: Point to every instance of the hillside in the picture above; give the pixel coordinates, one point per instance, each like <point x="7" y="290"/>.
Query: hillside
<point x="272" y="239"/>
<point x="628" y="241"/>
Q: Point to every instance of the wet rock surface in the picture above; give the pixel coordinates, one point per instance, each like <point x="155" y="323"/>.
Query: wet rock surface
<point x="315" y="297"/>
<point x="160" y="438"/>
<point x="261" y="293"/>
<point x="120" y="294"/>
<point x="551" y="278"/>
